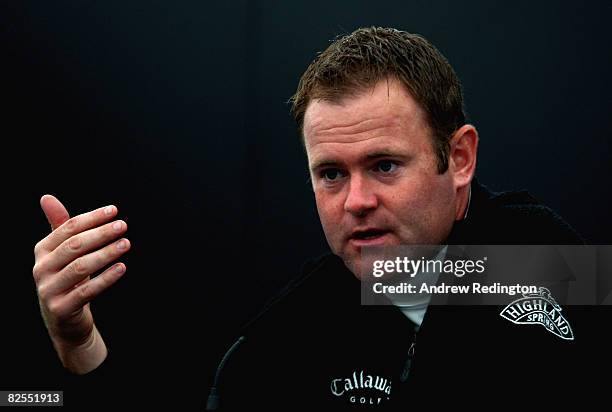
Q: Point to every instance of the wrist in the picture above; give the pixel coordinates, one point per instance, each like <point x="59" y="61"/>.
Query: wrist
<point x="85" y="357"/>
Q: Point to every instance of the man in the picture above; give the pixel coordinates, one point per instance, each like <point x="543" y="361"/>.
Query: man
<point x="392" y="162"/>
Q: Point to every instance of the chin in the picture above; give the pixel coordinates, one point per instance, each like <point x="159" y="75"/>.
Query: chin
<point x="352" y="263"/>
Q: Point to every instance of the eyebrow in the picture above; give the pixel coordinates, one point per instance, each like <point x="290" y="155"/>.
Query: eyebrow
<point x="369" y="157"/>
<point x="323" y="163"/>
<point x="383" y="153"/>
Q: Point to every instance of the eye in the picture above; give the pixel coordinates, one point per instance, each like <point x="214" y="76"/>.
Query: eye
<point x="331" y="174"/>
<point x="386" y="166"/>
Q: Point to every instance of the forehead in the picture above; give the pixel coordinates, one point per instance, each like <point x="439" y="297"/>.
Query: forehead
<point x="385" y="113"/>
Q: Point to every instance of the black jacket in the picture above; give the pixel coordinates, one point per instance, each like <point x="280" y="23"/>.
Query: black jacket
<point x="315" y="347"/>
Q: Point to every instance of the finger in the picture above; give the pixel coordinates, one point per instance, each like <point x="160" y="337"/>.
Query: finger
<point x="54" y="210"/>
<point x="77" y="224"/>
<point x="85" y="266"/>
<point x="87" y="291"/>
<point x="82" y="243"/>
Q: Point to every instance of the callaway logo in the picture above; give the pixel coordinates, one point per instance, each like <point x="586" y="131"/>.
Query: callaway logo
<point x="362" y="388"/>
<point x="539" y="308"/>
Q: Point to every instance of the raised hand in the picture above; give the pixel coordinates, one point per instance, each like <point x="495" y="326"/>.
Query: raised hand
<point x="65" y="261"/>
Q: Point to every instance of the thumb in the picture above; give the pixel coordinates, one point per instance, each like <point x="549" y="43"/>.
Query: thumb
<point x="54" y="210"/>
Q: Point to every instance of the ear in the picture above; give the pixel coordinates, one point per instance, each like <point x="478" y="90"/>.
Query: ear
<point x="462" y="156"/>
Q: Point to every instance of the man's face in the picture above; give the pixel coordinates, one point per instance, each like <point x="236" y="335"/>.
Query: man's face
<point x="374" y="172"/>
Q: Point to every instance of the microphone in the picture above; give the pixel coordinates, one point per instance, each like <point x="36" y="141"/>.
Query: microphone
<point x="212" y="403"/>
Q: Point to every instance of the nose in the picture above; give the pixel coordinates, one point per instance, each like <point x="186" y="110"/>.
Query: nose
<point x="360" y="198"/>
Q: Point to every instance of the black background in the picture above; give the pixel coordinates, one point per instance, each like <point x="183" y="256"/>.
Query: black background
<point x="176" y="112"/>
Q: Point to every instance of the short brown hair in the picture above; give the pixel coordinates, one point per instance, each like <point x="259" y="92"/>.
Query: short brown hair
<point x="360" y="60"/>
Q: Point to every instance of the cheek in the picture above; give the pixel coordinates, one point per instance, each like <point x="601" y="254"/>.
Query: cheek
<point x="423" y="200"/>
<point x="437" y="211"/>
<point x="331" y="213"/>
<point x="326" y="209"/>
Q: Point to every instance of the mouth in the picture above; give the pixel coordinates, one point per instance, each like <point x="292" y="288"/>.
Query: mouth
<point x="368" y="237"/>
